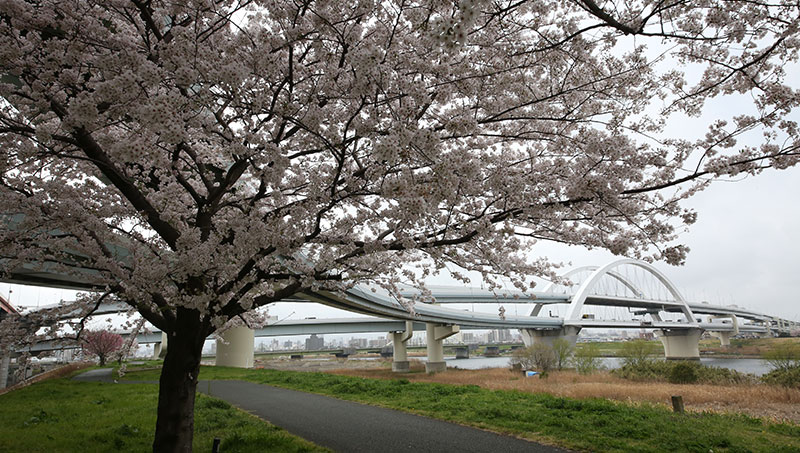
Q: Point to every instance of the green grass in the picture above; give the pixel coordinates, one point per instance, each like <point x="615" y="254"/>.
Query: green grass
<point x="61" y="415"/>
<point x="593" y="424"/>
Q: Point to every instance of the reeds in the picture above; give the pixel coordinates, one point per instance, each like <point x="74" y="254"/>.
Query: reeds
<point x="778" y="403"/>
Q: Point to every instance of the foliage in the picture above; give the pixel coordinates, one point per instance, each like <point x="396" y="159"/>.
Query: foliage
<point x="682" y="372"/>
<point x="203" y="158"/>
<point x="562" y="349"/>
<point x="787" y="377"/>
<point x="587" y="358"/>
<point x="589" y="424"/>
<point x="101" y="343"/>
<point x="540" y="357"/>
<point x="784" y="360"/>
<point x="62" y="415"/>
<point x="637" y="353"/>
<point x="783" y="356"/>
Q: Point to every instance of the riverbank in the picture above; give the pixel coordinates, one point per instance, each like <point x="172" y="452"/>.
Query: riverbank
<point x="757" y="400"/>
<point x="590" y="424"/>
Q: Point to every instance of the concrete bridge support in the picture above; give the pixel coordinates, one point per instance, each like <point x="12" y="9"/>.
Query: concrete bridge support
<point x="160" y="349"/>
<point x="400" y="357"/>
<point x="235" y="347"/>
<point x="533" y="336"/>
<point x="5" y="362"/>
<point x="436" y="334"/>
<point x="680" y="344"/>
<point x="724" y="338"/>
<point x="462" y="352"/>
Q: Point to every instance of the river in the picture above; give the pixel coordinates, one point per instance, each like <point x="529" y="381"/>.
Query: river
<point x="753" y="366"/>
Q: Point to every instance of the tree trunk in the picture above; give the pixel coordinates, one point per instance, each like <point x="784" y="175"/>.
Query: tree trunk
<point x="177" y="385"/>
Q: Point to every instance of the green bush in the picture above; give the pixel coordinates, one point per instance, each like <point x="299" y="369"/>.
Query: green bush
<point x="562" y="349"/>
<point x="787" y="377"/>
<point x="686" y="373"/>
<point x="783" y="357"/>
<point x="637" y="353"/>
<point x="683" y="373"/>
<point x="586" y="358"/>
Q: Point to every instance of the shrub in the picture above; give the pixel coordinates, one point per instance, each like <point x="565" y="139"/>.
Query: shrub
<point x="637" y="353"/>
<point x="787" y="377"/>
<point x="562" y="349"/>
<point x="586" y="358"/>
<point x="783" y="357"/>
<point x="539" y="357"/>
<point x="683" y="373"/>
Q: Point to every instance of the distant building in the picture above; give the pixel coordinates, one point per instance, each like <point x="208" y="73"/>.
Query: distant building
<point x="314" y="343"/>
<point x="500" y="336"/>
<point x="378" y="342"/>
<point x="358" y="343"/>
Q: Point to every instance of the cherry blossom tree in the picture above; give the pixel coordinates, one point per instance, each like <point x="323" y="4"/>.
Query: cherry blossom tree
<point x="101" y="343"/>
<point x="198" y="159"/>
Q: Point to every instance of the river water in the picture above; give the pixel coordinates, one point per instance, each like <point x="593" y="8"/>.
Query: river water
<point x="753" y="366"/>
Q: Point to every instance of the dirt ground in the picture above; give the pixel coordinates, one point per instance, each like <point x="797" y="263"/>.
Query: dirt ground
<point x="774" y="403"/>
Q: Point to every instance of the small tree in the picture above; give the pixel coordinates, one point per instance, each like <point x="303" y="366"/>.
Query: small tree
<point x="637" y="353"/>
<point x="783" y="356"/>
<point x="587" y="358"/>
<point x="540" y="357"/>
<point x="562" y="350"/>
<point x="101" y="343"/>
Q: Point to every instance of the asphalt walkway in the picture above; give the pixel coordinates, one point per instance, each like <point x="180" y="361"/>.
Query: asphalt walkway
<point x="345" y="426"/>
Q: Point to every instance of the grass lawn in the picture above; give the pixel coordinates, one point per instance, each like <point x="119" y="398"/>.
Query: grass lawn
<point x="584" y="424"/>
<point x="61" y="415"/>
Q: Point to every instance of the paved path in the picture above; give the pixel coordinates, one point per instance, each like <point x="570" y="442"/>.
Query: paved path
<point x="345" y="426"/>
<point x="97" y="375"/>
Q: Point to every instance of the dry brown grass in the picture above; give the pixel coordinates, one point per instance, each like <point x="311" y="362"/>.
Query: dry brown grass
<point x="771" y="402"/>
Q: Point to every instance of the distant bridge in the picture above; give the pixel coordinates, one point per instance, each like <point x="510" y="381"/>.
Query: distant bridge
<point x="652" y="301"/>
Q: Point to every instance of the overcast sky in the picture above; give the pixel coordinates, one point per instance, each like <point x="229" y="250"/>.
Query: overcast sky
<point x="745" y="246"/>
<point x="745" y="250"/>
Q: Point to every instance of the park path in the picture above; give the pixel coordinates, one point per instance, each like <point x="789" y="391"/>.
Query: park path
<point x="345" y="426"/>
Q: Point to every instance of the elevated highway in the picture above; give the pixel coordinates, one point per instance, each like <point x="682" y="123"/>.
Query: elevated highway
<point x="652" y="301"/>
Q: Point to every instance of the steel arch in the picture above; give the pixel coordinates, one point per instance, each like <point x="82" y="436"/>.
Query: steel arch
<point x="578" y="300"/>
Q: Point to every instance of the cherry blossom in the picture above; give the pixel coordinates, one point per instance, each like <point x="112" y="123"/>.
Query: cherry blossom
<point x="199" y="159"/>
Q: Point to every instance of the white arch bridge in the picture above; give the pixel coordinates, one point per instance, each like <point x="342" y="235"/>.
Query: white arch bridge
<point x="625" y="293"/>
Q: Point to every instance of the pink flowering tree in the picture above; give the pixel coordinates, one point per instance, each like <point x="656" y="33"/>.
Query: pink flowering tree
<point x="101" y="344"/>
<point x="198" y="159"/>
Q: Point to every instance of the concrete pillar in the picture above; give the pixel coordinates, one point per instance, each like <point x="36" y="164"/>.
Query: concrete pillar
<point x="724" y="338"/>
<point x="680" y="344"/>
<point x="4" y="364"/>
<point x="462" y="352"/>
<point x="400" y="362"/>
<point x="235" y="347"/>
<point x="533" y="336"/>
<point x="160" y="349"/>
<point x="435" y="334"/>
